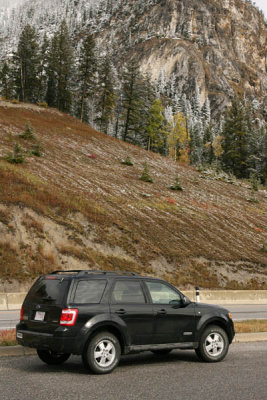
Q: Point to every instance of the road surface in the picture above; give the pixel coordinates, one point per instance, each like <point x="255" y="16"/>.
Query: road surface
<point x="178" y="376"/>
<point x="9" y="319"/>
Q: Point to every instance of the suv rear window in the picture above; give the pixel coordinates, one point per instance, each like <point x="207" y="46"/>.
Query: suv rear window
<point x="89" y="291"/>
<point x="49" y="291"/>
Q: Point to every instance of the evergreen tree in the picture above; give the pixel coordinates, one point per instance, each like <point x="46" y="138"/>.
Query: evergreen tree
<point x="156" y="129"/>
<point x="60" y="70"/>
<point x="42" y="72"/>
<point x="5" y="81"/>
<point x="26" y="64"/>
<point x="51" y="72"/>
<point x="86" y="75"/>
<point x="106" y="97"/>
<point x="64" y="69"/>
<point x="235" y="143"/>
<point x="146" y="177"/>
<point x="132" y="102"/>
<point x="196" y="144"/>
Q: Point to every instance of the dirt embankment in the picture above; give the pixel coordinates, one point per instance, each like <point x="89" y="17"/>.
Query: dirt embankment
<point x="77" y="206"/>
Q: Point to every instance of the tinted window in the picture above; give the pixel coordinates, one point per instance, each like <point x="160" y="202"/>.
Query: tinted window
<point x="128" y="292"/>
<point x="89" y="291"/>
<point x="162" y="294"/>
<point x="50" y="291"/>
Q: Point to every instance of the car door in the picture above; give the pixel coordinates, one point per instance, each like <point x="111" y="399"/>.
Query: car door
<point x="130" y="304"/>
<point x="173" y="322"/>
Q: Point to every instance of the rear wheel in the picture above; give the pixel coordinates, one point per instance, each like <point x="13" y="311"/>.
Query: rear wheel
<point x="52" y="357"/>
<point x="103" y="353"/>
<point x="213" y="345"/>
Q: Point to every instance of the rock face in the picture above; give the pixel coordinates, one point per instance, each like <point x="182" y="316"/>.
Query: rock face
<point x="220" y="45"/>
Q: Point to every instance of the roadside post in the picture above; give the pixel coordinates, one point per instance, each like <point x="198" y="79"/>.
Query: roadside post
<point x="197" y="294"/>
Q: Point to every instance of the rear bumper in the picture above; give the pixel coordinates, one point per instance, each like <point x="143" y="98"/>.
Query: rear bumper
<point x="60" y="341"/>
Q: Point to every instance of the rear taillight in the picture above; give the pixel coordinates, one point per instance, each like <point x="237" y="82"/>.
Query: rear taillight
<point x="68" y="316"/>
<point x="21" y="314"/>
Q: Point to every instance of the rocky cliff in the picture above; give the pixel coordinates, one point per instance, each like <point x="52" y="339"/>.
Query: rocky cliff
<point x="218" y="45"/>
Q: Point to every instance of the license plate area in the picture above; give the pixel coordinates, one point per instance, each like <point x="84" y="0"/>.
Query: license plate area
<point x="39" y="316"/>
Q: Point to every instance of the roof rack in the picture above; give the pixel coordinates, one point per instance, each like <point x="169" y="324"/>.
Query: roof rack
<point x="81" y="272"/>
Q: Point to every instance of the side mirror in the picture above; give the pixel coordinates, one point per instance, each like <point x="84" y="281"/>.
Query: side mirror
<point x="185" y="301"/>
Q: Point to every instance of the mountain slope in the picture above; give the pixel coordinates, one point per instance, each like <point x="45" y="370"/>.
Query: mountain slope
<point x="218" y="45"/>
<point x="78" y="206"/>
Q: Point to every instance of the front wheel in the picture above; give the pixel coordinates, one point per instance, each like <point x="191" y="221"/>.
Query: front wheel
<point x="213" y="345"/>
<point x="102" y="354"/>
<point x="52" y="357"/>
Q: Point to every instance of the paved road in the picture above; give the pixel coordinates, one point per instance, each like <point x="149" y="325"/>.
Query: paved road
<point x="178" y="376"/>
<point x="241" y="312"/>
<point x="8" y="319"/>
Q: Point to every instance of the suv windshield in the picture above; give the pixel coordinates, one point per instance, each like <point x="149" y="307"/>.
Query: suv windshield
<point x="48" y="290"/>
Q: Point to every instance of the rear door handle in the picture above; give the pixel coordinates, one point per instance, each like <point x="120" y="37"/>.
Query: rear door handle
<point x="162" y="312"/>
<point x="121" y="311"/>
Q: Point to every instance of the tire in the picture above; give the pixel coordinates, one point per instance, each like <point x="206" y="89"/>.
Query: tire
<point x="102" y="353"/>
<point x="213" y="345"/>
<point x="51" y="357"/>
<point x="161" y="352"/>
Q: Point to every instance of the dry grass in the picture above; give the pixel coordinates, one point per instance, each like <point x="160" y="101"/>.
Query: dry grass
<point x="251" y="325"/>
<point x="31" y="223"/>
<point x="8" y="337"/>
<point x="81" y="172"/>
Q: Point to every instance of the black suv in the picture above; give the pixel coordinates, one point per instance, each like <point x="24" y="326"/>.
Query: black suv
<point x="103" y="314"/>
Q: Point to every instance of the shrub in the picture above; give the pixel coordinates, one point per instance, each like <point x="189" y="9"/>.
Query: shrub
<point x="127" y="161"/>
<point x="176" y="185"/>
<point x="15" y="101"/>
<point x="254" y="183"/>
<point x="37" y="150"/>
<point x="146" y="177"/>
<point x="28" y="133"/>
<point x="16" y="157"/>
<point x="42" y="104"/>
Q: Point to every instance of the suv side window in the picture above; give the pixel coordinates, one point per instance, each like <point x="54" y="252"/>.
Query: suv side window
<point x="162" y="294"/>
<point x="128" y="292"/>
<point x="89" y="291"/>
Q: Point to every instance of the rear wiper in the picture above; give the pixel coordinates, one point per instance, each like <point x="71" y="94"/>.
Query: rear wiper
<point x="49" y="298"/>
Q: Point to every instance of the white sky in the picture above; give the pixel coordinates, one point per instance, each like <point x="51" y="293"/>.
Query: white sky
<point x="262" y="4"/>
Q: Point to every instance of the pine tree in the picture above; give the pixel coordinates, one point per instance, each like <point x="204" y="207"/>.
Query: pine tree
<point x="5" y="81"/>
<point x="86" y="75"/>
<point x="64" y="69"/>
<point x="26" y="62"/>
<point x="60" y="70"/>
<point x="146" y="177"/>
<point x="42" y="72"/>
<point x="132" y="102"/>
<point x="196" y="144"/>
<point x="156" y="128"/>
<point x="106" y="96"/>
<point x="177" y="184"/>
<point x="235" y="143"/>
<point x="51" y="73"/>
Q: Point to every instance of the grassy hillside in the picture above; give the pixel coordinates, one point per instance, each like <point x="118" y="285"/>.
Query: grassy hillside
<point x="77" y="206"/>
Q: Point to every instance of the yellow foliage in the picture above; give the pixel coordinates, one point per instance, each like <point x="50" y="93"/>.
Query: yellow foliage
<point x="178" y="139"/>
<point x="217" y="146"/>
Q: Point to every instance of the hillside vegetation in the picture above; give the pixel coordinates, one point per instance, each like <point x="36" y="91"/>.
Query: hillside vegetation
<point x="78" y="206"/>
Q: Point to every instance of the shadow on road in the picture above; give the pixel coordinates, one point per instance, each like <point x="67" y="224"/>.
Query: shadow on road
<point x="75" y="365"/>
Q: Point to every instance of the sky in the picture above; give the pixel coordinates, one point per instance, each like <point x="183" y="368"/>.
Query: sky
<point x="262" y="4"/>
